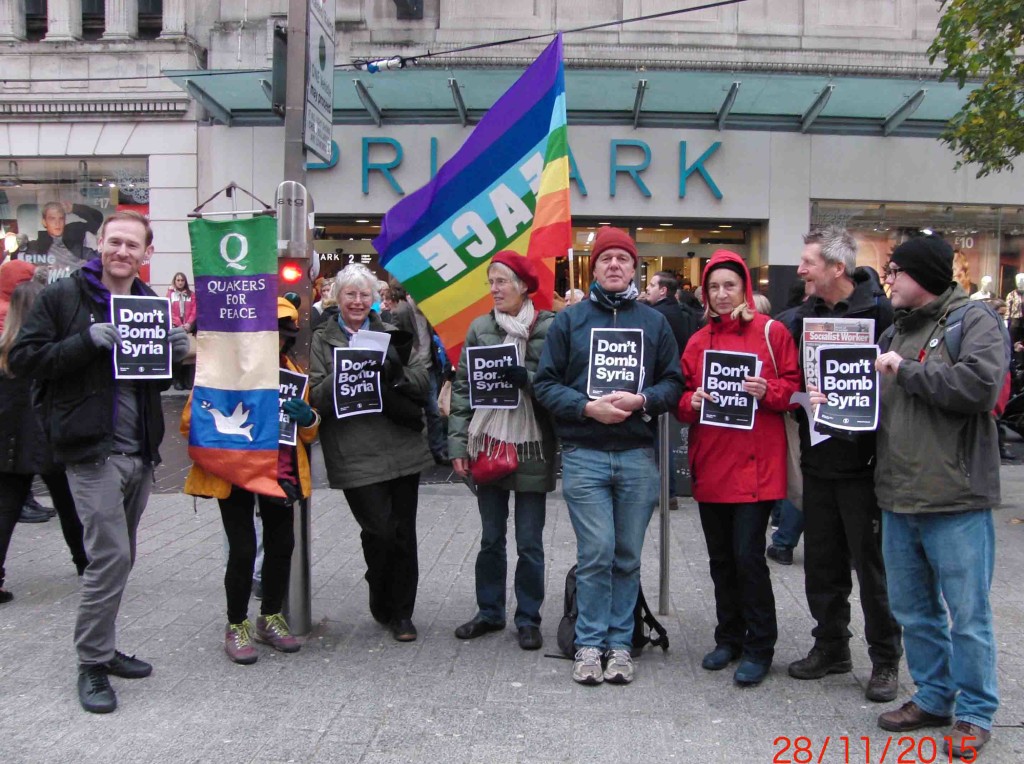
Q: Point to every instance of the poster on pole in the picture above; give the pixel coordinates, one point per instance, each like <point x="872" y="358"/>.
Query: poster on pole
<point x="319" y="111"/>
<point x="293" y="385"/>
<point x="831" y="331"/>
<point x="143" y="349"/>
<point x="357" y="382"/>
<point x="486" y="388"/>
<point x="616" y="362"/>
<point x="849" y="379"/>
<point x="724" y="375"/>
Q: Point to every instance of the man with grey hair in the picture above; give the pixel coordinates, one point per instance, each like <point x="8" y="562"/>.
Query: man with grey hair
<point x="842" y="521"/>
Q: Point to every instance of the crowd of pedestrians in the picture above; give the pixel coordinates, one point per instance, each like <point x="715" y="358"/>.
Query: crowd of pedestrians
<point x="908" y="507"/>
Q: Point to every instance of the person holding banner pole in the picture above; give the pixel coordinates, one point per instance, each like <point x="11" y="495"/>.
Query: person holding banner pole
<point x="276" y="516"/>
<point x="609" y="368"/>
<point x="738" y="474"/>
<point x="512" y="278"/>
<point x="106" y="431"/>
<point x="376" y="457"/>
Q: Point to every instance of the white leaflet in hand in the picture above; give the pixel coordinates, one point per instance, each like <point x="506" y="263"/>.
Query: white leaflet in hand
<point x="365" y="339"/>
<point x="804" y="399"/>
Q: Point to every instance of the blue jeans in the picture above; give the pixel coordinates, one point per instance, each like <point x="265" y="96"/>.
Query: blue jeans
<point x="491" y="561"/>
<point x="939" y="568"/>
<point x="611" y="496"/>
<point x="791" y="525"/>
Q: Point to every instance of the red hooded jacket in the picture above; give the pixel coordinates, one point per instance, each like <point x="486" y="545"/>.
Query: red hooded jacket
<point x="12" y="273"/>
<point x="732" y="466"/>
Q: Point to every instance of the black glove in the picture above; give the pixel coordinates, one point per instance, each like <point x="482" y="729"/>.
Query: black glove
<point x="515" y="375"/>
<point x="300" y="412"/>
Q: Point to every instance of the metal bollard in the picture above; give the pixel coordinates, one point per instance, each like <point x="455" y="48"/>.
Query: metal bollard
<point x="298" y="602"/>
<point x="664" y="472"/>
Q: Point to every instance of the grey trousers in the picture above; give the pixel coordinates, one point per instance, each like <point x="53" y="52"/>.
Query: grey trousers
<point x="111" y="496"/>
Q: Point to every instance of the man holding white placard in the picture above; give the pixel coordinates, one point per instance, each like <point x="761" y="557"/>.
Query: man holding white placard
<point x="842" y="521"/>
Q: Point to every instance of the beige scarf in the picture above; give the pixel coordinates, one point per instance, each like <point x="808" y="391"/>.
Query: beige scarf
<point x="519" y="425"/>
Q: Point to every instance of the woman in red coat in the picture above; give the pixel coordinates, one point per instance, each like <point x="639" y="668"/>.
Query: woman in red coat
<point x="739" y="474"/>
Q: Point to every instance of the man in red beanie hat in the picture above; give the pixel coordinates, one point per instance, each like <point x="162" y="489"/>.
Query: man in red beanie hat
<point x="610" y="481"/>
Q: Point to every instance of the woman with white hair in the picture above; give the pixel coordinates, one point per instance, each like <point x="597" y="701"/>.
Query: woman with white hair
<point x="376" y="458"/>
<point x="514" y="320"/>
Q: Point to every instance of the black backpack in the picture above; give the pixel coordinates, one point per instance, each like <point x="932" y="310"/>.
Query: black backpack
<point x="646" y="628"/>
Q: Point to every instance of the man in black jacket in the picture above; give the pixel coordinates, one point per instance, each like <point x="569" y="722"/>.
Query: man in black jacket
<point x="105" y="431"/>
<point x="841" y="514"/>
<point x="661" y="295"/>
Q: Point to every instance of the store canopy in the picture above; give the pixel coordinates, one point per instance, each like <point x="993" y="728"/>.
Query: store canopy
<point x="660" y="98"/>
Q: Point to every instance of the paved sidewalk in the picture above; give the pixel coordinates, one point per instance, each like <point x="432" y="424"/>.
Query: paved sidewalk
<point x="355" y="695"/>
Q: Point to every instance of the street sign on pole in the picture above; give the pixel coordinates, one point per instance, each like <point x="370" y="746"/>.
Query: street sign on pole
<point x="319" y="116"/>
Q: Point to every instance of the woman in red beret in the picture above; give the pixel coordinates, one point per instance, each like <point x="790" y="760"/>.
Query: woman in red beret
<point x="514" y="320"/>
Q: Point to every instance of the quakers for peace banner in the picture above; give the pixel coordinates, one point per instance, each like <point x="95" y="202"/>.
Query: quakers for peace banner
<point x="507" y="188"/>
<point x="234" y="431"/>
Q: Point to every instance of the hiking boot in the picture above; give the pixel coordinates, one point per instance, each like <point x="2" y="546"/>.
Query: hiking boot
<point x="619" y="669"/>
<point x="94" y="690"/>
<point x="238" y="642"/>
<point x="884" y="683"/>
<point x="719" y="658"/>
<point x="273" y="630"/>
<point x="530" y="638"/>
<point x="782" y="555"/>
<point x="128" y="666"/>
<point x="586" y="669"/>
<point x="477" y="628"/>
<point x="820" y="662"/>
<point x="965" y="740"/>
<point x="749" y="673"/>
<point x="910" y="716"/>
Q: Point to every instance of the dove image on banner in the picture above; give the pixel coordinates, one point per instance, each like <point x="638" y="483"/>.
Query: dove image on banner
<point x="293" y="385"/>
<point x="616" y="361"/>
<point x="848" y="377"/>
<point x="506" y="188"/>
<point x="724" y="375"/>
<point x="235" y="423"/>
<point x="486" y="389"/>
<point x="357" y="382"/>
<point x="143" y="324"/>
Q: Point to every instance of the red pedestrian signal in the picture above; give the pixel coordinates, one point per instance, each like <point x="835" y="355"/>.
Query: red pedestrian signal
<point x="290" y="271"/>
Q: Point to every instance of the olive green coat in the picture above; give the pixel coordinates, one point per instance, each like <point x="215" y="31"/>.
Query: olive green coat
<point x="534" y="475"/>
<point x="369" y="448"/>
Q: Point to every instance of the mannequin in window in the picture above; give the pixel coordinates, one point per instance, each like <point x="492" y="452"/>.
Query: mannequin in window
<point x="1015" y="309"/>
<point x="985" y="292"/>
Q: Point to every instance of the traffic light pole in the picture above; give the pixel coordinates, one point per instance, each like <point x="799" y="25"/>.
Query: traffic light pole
<point x="298" y="236"/>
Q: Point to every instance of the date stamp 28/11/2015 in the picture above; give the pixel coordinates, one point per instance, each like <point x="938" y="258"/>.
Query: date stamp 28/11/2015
<point x="905" y="749"/>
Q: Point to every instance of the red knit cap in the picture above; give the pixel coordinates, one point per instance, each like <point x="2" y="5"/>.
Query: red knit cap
<point x="608" y="237"/>
<point x="521" y="266"/>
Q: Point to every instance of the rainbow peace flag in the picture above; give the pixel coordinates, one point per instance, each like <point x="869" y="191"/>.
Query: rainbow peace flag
<point x="507" y="188"/>
<point x="234" y="427"/>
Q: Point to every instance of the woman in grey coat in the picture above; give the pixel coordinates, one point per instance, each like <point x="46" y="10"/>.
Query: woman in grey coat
<point x="376" y="458"/>
<point x="514" y="320"/>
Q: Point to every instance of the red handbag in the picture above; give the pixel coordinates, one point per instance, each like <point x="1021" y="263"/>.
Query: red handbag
<point x="496" y="460"/>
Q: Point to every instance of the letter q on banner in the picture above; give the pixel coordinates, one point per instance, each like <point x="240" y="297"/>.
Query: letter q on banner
<point x="243" y="250"/>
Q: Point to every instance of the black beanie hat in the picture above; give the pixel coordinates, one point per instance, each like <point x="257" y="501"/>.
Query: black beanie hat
<point x="729" y="265"/>
<point x="928" y="260"/>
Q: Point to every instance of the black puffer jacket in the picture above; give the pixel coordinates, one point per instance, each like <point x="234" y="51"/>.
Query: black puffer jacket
<point x="74" y="380"/>
<point x="845" y="455"/>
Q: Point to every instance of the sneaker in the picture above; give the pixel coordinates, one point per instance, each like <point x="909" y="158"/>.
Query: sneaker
<point x="619" y="668"/>
<point x="94" y="690"/>
<point x="719" y="658"/>
<point x="128" y="666"/>
<point x="820" y="662"/>
<point x="780" y="554"/>
<point x="273" y="630"/>
<point x="965" y="740"/>
<point x="238" y="642"/>
<point x="586" y="669"/>
<point x="750" y="674"/>
<point x="884" y="683"/>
